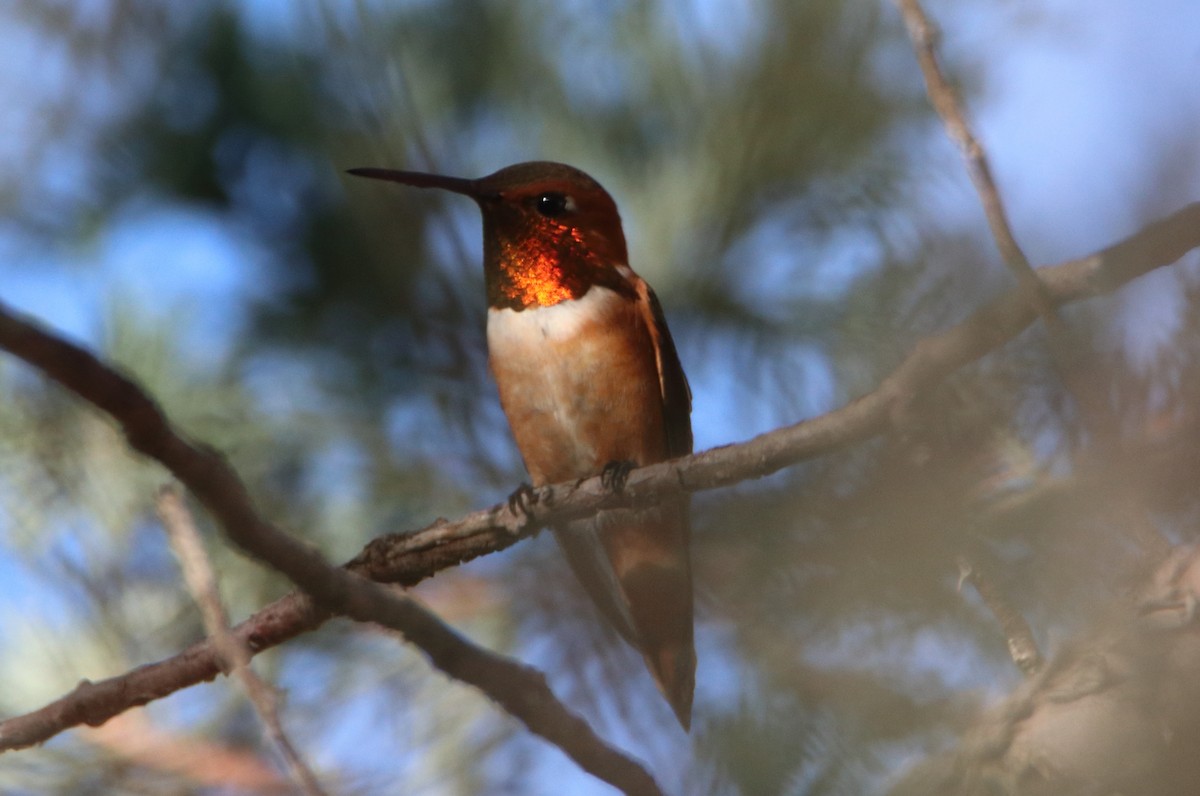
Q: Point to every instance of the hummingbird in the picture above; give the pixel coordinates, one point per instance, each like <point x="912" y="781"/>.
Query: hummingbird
<point x="591" y="384"/>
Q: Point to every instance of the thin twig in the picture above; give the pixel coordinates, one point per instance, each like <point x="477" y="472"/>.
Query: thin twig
<point x="945" y="101"/>
<point x="198" y="575"/>
<point x="408" y="558"/>
<point x="1022" y="647"/>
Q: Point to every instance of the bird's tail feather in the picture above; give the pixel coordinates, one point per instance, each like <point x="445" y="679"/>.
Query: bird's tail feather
<point x="634" y="565"/>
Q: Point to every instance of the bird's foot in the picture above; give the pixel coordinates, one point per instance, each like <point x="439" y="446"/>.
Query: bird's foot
<point x="522" y="500"/>
<point x="615" y="474"/>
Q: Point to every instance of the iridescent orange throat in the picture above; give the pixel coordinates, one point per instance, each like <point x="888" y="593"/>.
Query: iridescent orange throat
<point x="545" y="269"/>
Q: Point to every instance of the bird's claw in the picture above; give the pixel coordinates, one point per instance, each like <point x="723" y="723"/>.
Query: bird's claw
<point x="615" y="474"/>
<point x="522" y="500"/>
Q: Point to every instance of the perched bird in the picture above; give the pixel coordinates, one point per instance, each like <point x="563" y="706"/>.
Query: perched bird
<point x="591" y="384"/>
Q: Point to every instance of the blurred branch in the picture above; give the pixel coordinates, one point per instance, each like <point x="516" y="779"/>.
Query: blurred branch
<point x="1059" y="719"/>
<point x="1113" y="712"/>
<point x="1088" y="396"/>
<point x="520" y="690"/>
<point x="1022" y="647"/>
<point x="409" y="557"/>
<point x="198" y="575"/>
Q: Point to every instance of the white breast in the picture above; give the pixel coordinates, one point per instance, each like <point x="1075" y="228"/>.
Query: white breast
<point x="512" y="332"/>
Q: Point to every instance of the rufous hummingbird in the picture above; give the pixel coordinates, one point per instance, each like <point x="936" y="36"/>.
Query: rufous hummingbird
<point x="591" y="383"/>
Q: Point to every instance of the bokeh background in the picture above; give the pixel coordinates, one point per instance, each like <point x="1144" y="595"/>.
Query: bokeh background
<point x="172" y="196"/>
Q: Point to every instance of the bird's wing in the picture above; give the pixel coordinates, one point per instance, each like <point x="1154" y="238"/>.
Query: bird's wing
<point x="673" y="383"/>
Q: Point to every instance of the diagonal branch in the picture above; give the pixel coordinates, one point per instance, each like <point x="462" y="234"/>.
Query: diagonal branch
<point x="411" y="557"/>
<point x="945" y="101"/>
<point x="520" y="690"/>
<point x="1022" y="647"/>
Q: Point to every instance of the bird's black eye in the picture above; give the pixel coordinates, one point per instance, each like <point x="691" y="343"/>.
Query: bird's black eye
<point x="553" y="204"/>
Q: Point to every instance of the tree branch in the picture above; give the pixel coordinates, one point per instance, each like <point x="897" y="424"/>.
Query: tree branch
<point x="202" y="583"/>
<point x="945" y="101"/>
<point x="1088" y="396"/>
<point x="410" y="557"/>
<point x="1022" y="647"/>
<point x="1114" y="711"/>
<point x="520" y="690"/>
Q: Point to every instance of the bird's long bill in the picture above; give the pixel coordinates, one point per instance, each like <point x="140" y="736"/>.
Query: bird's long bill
<point x="422" y="180"/>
